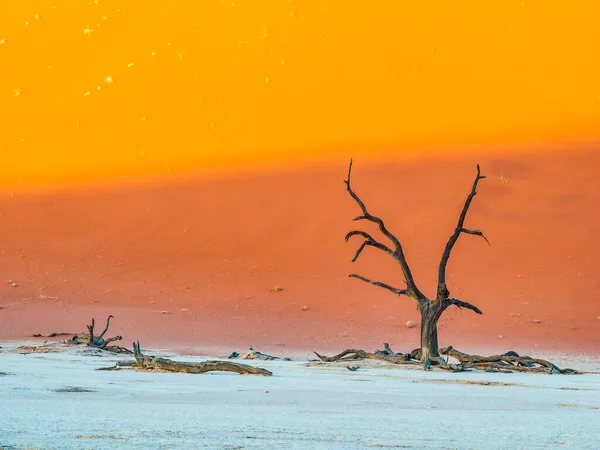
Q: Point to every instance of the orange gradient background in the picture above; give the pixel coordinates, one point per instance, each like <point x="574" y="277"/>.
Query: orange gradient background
<point x="240" y="117"/>
<point x="197" y="85"/>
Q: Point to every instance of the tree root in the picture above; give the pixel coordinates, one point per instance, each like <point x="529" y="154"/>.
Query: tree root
<point x="143" y="362"/>
<point x="506" y="363"/>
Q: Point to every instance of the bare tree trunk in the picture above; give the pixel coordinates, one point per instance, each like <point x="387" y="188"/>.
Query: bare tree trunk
<point x="429" y="336"/>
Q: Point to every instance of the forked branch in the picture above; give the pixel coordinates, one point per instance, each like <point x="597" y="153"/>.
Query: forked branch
<point x="442" y="292"/>
<point x="397" y="253"/>
<point x="99" y="341"/>
<point x="368" y="241"/>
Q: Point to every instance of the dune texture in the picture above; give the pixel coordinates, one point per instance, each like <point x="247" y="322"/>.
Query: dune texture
<point x="172" y="163"/>
<point x="196" y="263"/>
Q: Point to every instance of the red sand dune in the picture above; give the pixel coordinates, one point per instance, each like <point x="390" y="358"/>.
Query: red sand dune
<point x="211" y="252"/>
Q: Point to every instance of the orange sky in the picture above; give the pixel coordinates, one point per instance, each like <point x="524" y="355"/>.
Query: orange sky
<point x="99" y="89"/>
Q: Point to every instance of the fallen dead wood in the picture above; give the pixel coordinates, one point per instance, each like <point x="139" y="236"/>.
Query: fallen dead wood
<point x="120" y="365"/>
<point x="394" y="358"/>
<point x="51" y="335"/>
<point x="27" y="349"/>
<point x="255" y="354"/>
<point x="99" y="342"/>
<point x="78" y="339"/>
<point x="509" y="361"/>
<point x="152" y="363"/>
<point x="506" y="363"/>
<point x="352" y="354"/>
<point x="387" y="351"/>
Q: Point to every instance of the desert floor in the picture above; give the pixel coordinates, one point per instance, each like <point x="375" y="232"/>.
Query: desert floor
<point x="314" y="405"/>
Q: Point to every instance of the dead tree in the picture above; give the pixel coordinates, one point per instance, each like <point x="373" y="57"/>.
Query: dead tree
<point x="431" y="310"/>
<point x="98" y="341"/>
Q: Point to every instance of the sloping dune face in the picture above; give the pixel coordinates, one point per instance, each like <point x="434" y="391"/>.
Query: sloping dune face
<point x="211" y="253"/>
<point x="172" y="163"/>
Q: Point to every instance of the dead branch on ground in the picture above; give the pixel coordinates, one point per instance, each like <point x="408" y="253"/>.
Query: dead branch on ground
<point x="151" y="363"/>
<point x="255" y="354"/>
<point x="505" y="363"/>
<point x="51" y="335"/>
<point x="27" y="349"/>
<point x="352" y="354"/>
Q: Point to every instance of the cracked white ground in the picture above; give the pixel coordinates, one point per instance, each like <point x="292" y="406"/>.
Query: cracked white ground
<point x="300" y="406"/>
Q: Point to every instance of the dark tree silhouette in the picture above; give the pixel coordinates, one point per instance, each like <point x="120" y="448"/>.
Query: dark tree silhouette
<point x="431" y="310"/>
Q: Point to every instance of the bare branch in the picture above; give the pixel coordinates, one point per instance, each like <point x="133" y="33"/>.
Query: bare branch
<point x="398" y="253"/>
<point x="461" y="304"/>
<point x="476" y="233"/>
<point x="90" y="328"/>
<point x="106" y="329"/>
<point x="109" y="340"/>
<point x="360" y="249"/>
<point x="368" y="241"/>
<point x="380" y="284"/>
<point x="443" y="292"/>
